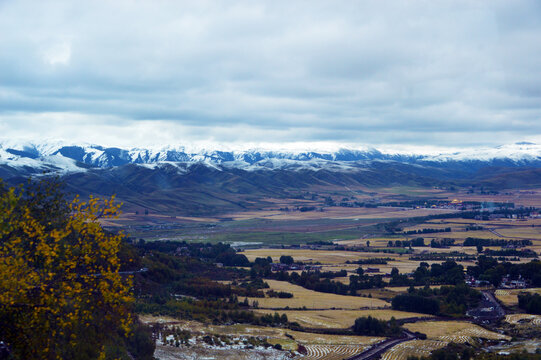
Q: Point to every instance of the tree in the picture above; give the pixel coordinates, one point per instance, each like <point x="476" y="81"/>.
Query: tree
<point x="479" y="249"/>
<point x="373" y="327"/>
<point x="531" y="303"/>
<point x="61" y="294"/>
<point x="415" y="303"/>
<point x="286" y="259"/>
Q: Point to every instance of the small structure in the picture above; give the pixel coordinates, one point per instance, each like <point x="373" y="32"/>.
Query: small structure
<point x="508" y="283"/>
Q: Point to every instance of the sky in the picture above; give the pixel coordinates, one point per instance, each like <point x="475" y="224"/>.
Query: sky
<point x="394" y="73"/>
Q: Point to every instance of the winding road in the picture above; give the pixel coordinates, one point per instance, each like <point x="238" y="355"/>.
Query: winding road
<point x="383" y="346"/>
<point x="489" y="301"/>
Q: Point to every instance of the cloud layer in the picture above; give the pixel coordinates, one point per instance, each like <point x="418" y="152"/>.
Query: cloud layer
<point x="449" y="73"/>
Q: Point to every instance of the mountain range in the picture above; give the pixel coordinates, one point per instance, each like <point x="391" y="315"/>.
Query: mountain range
<point x="201" y="181"/>
<point x="73" y="157"/>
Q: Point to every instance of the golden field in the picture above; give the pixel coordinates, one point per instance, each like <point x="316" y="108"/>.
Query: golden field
<point x="453" y="331"/>
<point x="523" y="318"/>
<point x="339" y="318"/>
<point x="313" y="300"/>
<point x="331" y="352"/>
<point x="439" y="334"/>
<point x="318" y="346"/>
<point x="415" y="348"/>
<point x="509" y="297"/>
<point x="306" y="255"/>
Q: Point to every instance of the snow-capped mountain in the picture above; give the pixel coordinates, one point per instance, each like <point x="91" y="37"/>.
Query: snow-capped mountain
<point x="65" y="157"/>
<point x="208" y="180"/>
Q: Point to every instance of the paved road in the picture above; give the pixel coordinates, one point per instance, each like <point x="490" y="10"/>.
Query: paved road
<point x="382" y="347"/>
<point x="497" y="307"/>
<point x="489" y="309"/>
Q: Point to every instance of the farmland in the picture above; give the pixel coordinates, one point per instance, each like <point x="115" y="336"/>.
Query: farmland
<point x="310" y="256"/>
<point x="440" y="333"/>
<point x="509" y="297"/>
<point x="335" y="260"/>
<point x="318" y="346"/>
<point x="454" y="331"/>
<point x="524" y="318"/>
<point x="332" y="352"/>
<point x="304" y="298"/>
<point x="340" y="319"/>
<point x="343" y="240"/>
<point x="412" y="348"/>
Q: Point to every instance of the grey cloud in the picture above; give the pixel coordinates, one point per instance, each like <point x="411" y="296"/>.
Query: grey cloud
<point x="369" y="72"/>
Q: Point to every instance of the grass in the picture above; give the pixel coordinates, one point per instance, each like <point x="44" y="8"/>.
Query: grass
<point x="332" y="352"/>
<point x="510" y="229"/>
<point x="454" y="331"/>
<point x="341" y="319"/>
<point x="374" y="241"/>
<point x="509" y="297"/>
<point x="439" y="334"/>
<point x="282" y="237"/>
<point x="269" y="227"/>
<point x="307" y="338"/>
<point x="262" y="237"/>
<point x="521" y="232"/>
<point x="524" y="318"/>
<point x="461" y="235"/>
<point x="417" y="348"/>
<point x="314" y="300"/>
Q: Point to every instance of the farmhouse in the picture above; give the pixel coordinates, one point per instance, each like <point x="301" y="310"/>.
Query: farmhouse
<point x="507" y="283"/>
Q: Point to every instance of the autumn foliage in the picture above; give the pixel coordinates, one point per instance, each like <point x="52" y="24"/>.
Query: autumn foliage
<point x="61" y="294"/>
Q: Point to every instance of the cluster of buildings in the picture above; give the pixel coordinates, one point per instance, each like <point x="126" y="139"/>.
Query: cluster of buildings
<point x="471" y="281"/>
<point x="508" y="283"/>
<point x="289" y="267"/>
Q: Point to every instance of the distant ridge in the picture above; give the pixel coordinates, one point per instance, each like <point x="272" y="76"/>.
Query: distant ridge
<point x="65" y="157"/>
<point x="180" y="180"/>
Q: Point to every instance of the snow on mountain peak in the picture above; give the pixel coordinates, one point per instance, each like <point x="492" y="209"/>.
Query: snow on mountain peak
<point x="70" y="157"/>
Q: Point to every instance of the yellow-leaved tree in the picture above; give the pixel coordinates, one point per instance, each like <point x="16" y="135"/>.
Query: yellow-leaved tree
<point x="61" y="294"/>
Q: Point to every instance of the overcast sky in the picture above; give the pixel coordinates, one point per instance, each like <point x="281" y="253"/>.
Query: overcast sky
<point x="456" y="73"/>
